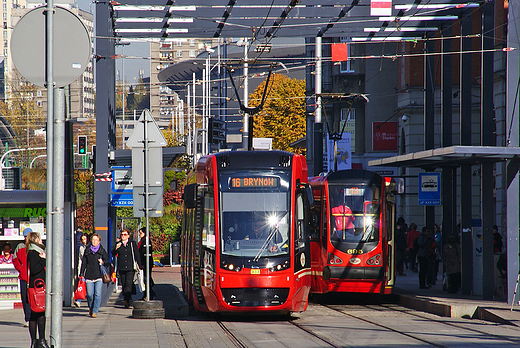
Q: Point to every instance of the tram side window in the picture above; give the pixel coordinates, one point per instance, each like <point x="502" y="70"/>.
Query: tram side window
<point x="315" y="220"/>
<point x="299" y="238"/>
<point x="208" y="231"/>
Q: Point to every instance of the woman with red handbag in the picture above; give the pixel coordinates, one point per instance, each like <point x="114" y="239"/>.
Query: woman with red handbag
<point x="36" y="271"/>
<point x="94" y="257"/>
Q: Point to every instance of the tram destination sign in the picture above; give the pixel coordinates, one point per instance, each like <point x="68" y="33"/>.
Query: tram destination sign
<point x="254" y="182"/>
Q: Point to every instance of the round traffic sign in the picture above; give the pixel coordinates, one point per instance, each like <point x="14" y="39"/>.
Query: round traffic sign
<point x="71" y="47"/>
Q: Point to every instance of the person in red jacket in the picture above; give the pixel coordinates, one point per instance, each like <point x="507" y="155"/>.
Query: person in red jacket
<point x="20" y="263"/>
<point x="412" y="235"/>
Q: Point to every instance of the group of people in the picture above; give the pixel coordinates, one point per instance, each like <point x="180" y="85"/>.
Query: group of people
<point x="29" y="260"/>
<point x="421" y="252"/>
<point x="129" y="256"/>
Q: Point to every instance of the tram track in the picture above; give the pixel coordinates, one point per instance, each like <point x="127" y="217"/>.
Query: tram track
<point x="452" y="324"/>
<point x="406" y="311"/>
<point x="236" y="341"/>
<point x="386" y="327"/>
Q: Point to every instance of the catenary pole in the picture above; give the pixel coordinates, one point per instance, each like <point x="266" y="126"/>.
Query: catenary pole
<point x="146" y="205"/>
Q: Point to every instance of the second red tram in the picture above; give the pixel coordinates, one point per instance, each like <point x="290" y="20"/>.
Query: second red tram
<point x="245" y="233"/>
<point x="352" y="232"/>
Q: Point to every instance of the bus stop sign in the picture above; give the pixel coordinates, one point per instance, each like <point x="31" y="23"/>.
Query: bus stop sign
<point x="429" y="188"/>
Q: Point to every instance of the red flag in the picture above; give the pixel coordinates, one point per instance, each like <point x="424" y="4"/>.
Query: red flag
<point x="380" y="7"/>
<point x="339" y="52"/>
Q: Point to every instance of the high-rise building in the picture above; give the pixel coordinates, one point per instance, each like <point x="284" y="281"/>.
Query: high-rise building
<point x="164" y="102"/>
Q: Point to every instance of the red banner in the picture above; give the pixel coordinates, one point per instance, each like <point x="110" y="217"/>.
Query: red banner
<point x="384" y="136"/>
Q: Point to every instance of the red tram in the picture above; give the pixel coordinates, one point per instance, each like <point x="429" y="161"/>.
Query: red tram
<point x="352" y="232"/>
<point x="245" y="233"/>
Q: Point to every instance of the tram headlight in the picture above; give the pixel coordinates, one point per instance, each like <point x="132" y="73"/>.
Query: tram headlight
<point x="280" y="266"/>
<point x="231" y="267"/>
<point x="273" y="221"/>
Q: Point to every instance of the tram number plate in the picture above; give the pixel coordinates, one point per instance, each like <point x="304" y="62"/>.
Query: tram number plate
<point x="255" y="271"/>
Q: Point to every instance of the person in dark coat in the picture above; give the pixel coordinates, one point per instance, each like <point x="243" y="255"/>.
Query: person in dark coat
<point x="142" y="253"/>
<point x="425" y="242"/>
<point x="400" y="245"/>
<point x="127" y="253"/>
<point x="93" y="257"/>
<point x="451" y="258"/>
<point x="497" y="240"/>
<point x="36" y="270"/>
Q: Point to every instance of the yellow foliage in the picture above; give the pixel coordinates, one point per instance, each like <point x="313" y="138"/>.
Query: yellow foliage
<point x="283" y="115"/>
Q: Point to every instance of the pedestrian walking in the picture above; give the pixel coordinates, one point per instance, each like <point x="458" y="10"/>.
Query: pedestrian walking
<point x="94" y="257"/>
<point x="142" y="254"/>
<point x="451" y="259"/>
<point x="127" y="255"/>
<point x="424" y="242"/>
<point x="36" y="269"/>
<point x="81" y="251"/>
<point x="20" y="263"/>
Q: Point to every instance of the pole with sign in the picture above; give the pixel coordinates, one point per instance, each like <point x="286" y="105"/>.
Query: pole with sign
<point x="146" y="140"/>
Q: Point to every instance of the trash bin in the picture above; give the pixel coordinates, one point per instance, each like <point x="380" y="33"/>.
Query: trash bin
<point x="175" y="250"/>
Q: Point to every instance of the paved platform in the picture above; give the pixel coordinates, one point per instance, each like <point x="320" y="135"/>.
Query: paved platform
<point x="115" y="327"/>
<point x="437" y="301"/>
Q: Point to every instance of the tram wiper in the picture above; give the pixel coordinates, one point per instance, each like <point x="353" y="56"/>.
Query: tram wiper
<point x="272" y="233"/>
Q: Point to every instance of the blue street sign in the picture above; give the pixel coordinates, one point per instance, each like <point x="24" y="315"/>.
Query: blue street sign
<point x="429" y="188"/>
<point x="121" y="200"/>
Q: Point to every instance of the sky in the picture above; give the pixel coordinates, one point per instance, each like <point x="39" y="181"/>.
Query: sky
<point x="131" y="65"/>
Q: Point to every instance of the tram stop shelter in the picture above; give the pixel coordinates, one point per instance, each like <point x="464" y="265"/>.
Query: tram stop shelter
<point x="449" y="160"/>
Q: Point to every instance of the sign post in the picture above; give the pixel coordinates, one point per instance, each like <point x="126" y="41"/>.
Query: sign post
<point x="146" y="140"/>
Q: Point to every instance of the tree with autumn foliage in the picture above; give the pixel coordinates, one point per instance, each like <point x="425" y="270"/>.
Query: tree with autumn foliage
<point x="283" y="115"/>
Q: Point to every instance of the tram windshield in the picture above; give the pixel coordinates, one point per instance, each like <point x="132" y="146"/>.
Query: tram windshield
<point x="255" y="214"/>
<point x="355" y="213"/>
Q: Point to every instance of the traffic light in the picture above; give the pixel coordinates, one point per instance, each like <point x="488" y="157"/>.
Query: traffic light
<point x="82" y="144"/>
<point x="216" y="131"/>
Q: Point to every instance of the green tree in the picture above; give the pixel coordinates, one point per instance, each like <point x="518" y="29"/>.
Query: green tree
<point x="283" y="115"/>
<point x="24" y="115"/>
<point x="139" y="99"/>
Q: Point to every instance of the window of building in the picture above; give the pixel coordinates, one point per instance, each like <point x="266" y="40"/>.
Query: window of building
<point x="39" y="103"/>
<point x="193" y="54"/>
<point x="4" y="6"/>
<point x="348" y="116"/>
<point x="5" y="35"/>
<point x="345" y="67"/>
<point x="179" y="42"/>
<point x="179" y="54"/>
<point x="39" y="93"/>
<point x="5" y="17"/>
<point x="192" y="43"/>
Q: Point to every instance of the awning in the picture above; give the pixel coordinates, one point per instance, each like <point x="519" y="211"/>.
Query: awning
<point x="453" y="156"/>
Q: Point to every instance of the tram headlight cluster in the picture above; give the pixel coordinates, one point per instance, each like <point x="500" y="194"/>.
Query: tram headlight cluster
<point x="231" y="267"/>
<point x="280" y="266"/>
